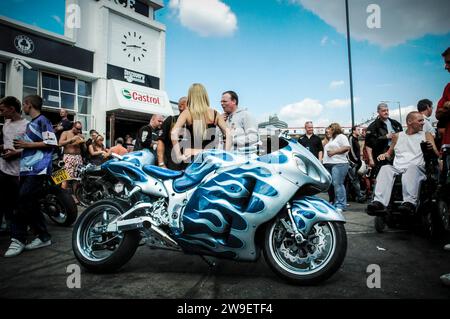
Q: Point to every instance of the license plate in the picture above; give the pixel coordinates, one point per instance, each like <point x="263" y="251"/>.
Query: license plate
<point x="60" y="176"/>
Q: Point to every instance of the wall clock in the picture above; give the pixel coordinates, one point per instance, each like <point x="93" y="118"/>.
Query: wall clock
<point x="133" y="46"/>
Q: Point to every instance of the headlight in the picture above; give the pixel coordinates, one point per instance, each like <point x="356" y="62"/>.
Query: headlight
<point x="300" y="164"/>
<point x="118" y="187"/>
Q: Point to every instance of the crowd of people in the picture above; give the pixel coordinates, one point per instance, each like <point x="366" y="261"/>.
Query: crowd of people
<point x="362" y="165"/>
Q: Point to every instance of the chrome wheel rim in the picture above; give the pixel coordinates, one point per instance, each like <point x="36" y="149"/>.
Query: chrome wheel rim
<point x="93" y="242"/>
<point x="306" y="258"/>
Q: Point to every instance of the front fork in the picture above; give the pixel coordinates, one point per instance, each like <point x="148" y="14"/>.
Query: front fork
<point x="297" y="234"/>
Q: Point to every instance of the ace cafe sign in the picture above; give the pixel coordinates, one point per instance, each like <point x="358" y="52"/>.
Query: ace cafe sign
<point x="142" y="97"/>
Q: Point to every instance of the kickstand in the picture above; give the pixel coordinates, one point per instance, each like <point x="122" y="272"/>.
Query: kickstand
<point x="211" y="263"/>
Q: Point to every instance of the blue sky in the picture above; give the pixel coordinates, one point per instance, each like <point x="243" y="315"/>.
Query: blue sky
<point x="290" y="56"/>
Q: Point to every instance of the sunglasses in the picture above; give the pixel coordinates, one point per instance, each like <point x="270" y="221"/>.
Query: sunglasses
<point x="447" y="61"/>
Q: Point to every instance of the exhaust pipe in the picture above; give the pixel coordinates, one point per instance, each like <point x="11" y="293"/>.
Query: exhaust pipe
<point x="139" y="223"/>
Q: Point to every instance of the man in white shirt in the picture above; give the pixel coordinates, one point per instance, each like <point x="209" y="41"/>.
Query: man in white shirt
<point x="408" y="162"/>
<point x="13" y="128"/>
<point x="425" y="107"/>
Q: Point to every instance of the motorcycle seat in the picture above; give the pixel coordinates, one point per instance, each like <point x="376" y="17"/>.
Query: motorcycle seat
<point x="94" y="170"/>
<point x="160" y="172"/>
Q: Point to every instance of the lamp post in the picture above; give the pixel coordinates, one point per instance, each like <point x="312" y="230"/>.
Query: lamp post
<point x="349" y="62"/>
<point x="399" y="109"/>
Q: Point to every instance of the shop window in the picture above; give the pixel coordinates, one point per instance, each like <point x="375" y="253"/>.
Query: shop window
<point x="30" y="82"/>
<point x="58" y="91"/>
<point x="2" y="79"/>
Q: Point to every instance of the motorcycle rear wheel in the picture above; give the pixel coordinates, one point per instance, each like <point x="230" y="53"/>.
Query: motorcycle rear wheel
<point x="97" y="250"/>
<point x="59" y="206"/>
<point x="308" y="263"/>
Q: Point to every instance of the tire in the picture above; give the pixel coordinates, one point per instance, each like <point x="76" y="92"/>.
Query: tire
<point x="379" y="224"/>
<point x="435" y="220"/>
<point x="334" y="246"/>
<point x="121" y="245"/>
<point x="59" y="206"/>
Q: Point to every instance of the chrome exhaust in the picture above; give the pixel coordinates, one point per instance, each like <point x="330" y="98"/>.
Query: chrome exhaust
<point x="139" y="223"/>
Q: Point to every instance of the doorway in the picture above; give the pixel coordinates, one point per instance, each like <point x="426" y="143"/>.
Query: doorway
<point x="120" y="123"/>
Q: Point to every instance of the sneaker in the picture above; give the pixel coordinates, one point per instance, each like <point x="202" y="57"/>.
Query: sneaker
<point x="407" y="208"/>
<point x="15" y="248"/>
<point x="447" y="247"/>
<point x="446" y="279"/>
<point x="375" y="208"/>
<point x="38" y="243"/>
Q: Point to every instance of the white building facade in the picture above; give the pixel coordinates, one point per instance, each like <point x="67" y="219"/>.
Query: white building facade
<point x="107" y="69"/>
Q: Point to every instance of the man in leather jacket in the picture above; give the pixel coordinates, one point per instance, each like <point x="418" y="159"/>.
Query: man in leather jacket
<point x="379" y="135"/>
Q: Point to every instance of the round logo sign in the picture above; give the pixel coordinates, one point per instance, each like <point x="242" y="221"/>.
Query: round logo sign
<point x="24" y="44"/>
<point x="126" y="94"/>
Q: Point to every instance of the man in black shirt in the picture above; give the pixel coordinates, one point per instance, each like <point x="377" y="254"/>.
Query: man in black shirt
<point x="165" y="142"/>
<point x="148" y="135"/>
<point x="64" y="125"/>
<point x="355" y="162"/>
<point x="311" y="141"/>
<point x="379" y="135"/>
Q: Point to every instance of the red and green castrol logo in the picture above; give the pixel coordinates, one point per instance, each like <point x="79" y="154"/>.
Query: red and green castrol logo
<point x="136" y="96"/>
<point x="126" y="94"/>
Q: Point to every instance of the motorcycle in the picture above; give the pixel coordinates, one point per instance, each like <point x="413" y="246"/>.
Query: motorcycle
<point x="225" y="207"/>
<point x="95" y="183"/>
<point x="55" y="202"/>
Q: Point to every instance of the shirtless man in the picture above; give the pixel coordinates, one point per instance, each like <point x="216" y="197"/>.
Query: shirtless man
<point x="71" y="141"/>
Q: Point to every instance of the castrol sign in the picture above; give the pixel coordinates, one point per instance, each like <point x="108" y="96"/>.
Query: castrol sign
<point x="128" y="96"/>
<point x="140" y="97"/>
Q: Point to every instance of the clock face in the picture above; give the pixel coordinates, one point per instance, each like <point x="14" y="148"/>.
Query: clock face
<point x="133" y="46"/>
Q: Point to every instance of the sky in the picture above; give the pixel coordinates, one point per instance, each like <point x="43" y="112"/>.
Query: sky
<point x="289" y="57"/>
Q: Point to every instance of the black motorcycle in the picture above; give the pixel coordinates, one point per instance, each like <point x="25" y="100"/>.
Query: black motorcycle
<point x="56" y="202"/>
<point x="96" y="183"/>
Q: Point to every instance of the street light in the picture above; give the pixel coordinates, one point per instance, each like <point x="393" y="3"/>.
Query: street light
<point x="399" y="109"/>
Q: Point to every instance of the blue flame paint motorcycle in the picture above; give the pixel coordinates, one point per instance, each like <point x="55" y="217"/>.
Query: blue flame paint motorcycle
<point x="224" y="206"/>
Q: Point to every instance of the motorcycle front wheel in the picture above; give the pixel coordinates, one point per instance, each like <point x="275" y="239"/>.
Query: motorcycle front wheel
<point x="310" y="262"/>
<point x="97" y="250"/>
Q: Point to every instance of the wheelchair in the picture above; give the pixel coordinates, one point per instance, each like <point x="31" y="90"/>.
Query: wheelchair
<point x="431" y="214"/>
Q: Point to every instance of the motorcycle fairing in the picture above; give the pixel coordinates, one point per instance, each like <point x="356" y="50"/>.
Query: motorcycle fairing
<point x="161" y="173"/>
<point x="129" y="172"/>
<point x="309" y="210"/>
<point x="205" y="163"/>
<point x="139" y="158"/>
<point x="222" y="215"/>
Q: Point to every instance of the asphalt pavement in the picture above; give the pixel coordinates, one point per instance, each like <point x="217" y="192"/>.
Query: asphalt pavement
<point x="407" y="265"/>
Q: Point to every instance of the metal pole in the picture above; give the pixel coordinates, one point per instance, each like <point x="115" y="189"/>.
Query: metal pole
<point x="349" y="62"/>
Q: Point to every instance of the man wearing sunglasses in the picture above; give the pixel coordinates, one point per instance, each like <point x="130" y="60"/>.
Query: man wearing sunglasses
<point x="71" y="141"/>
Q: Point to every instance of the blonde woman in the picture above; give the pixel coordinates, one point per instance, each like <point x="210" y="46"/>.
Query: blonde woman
<point x="97" y="151"/>
<point x="336" y="162"/>
<point x="201" y="122"/>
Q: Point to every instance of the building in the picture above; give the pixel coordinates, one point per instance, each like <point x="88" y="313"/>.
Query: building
<point x="107" y="69"/>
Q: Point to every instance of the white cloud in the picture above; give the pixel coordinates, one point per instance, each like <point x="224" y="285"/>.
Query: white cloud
<point x="401" y="20"/>
<point x="340" y="103"/>
<point x="205" y="17"/>
<point x="296" y="114"/>
<point x="336" y="84"/>
<point x="324" y="40"/>
<point x="394" y="112"/>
